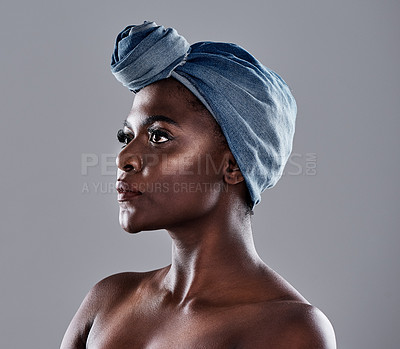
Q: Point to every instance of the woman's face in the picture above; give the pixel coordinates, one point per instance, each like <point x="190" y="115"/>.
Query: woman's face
<point x="172" y="161"/>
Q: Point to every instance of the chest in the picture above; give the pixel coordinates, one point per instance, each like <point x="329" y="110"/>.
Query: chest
<point x="155" y="329"/>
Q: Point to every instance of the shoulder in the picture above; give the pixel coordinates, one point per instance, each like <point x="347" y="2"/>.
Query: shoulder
<point x="114" y="286"/>
<point x="103" y="296"/>
<point x="308" y="327"/>
<point x="298" y="325"/>
<point x="112" y="289"/>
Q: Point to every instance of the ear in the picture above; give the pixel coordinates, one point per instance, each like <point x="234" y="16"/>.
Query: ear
<point x="232" y="173"/>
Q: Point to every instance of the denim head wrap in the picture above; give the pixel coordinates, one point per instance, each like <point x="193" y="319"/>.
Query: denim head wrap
<point x="252" y="104"/>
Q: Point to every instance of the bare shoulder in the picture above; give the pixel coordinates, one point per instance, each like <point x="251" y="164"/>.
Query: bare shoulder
<point x="103" y="296"/>
<point x="296" y="325"/>
<point x="113" y="288"/>
<point x="308" y="327"/>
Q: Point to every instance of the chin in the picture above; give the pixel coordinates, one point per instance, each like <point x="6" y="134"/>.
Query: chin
<point x="126" y="221"/>
<point x="134" y="223"/>
<point x="131" y="230"/>
<point x="130" y="227"/>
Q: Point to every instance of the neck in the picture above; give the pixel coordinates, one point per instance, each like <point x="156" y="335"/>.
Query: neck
<point x="212" y="258"/>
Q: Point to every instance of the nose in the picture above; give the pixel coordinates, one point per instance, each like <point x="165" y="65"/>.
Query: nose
<point x="128" y="161"/>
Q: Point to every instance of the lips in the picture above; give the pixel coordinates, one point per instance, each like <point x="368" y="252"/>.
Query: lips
<point x="126" y="191"/>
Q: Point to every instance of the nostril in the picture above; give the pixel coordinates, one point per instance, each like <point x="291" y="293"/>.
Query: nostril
<point x="129" y="162"/>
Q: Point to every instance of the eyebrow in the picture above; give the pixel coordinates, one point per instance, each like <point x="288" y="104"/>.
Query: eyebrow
<point x="154" y="118"/>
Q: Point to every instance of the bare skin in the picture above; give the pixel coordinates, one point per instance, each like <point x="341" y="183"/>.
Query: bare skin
<point x="217" y="292"/>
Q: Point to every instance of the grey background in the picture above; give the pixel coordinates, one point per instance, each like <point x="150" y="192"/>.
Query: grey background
<point x="333" y="234"/>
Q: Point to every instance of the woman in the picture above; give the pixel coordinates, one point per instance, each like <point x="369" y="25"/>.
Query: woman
<point x="210" y="129"/>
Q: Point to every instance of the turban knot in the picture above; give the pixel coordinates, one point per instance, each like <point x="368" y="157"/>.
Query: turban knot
<point x="146" y="53"/>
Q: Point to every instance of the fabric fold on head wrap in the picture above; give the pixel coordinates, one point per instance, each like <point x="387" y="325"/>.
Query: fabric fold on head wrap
<point x="146" y="53"/>
<point x="251" y="103"/>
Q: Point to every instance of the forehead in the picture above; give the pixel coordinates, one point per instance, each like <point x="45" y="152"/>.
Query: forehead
<point x="165" y="94"/>
<point x="170" y="98"/>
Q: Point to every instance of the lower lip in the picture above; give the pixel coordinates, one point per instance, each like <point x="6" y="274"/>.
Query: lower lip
<point x="128" y="196"/>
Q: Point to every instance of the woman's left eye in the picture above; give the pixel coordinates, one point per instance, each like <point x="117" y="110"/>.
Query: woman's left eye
<point x="158" y="136"/>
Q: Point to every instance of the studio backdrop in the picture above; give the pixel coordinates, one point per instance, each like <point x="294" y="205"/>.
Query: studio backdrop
<point x="331" y="224"/>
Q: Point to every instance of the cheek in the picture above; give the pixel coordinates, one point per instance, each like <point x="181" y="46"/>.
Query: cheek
<point x="194" y="182"/>
<point x="193" y="165"/>
<point x="176" y="188"/>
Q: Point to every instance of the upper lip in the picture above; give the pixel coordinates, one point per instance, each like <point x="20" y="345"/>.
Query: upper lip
<point x="125" y="187"/>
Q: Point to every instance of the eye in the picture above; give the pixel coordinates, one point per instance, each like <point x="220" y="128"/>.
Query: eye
<point x="158" y="136"/>
<point x="123" y="138"/>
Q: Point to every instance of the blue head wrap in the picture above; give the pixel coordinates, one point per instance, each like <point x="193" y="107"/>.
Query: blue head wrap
<point x="251" y="103"/>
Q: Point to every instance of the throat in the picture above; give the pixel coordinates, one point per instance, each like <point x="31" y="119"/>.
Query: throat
<point x="215" y="269"/>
